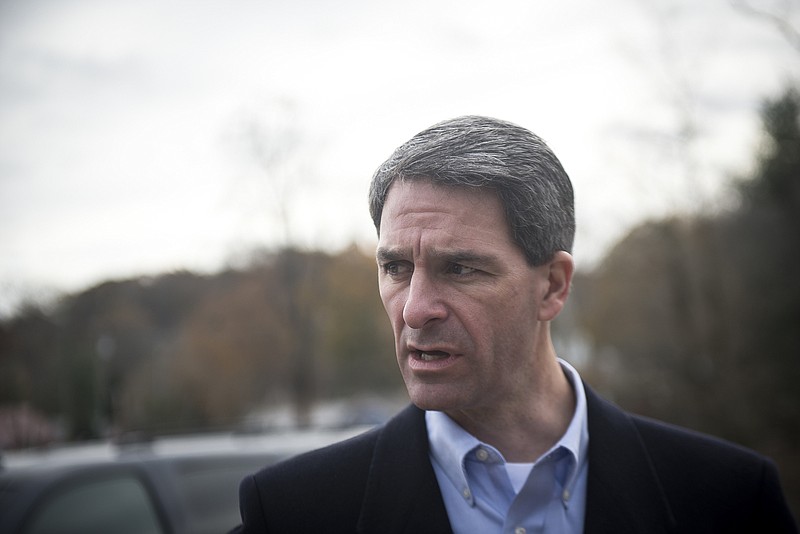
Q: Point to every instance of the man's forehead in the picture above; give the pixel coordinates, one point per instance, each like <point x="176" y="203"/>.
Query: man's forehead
<point x="422" y="201"/>
<point x="442" y="220"/>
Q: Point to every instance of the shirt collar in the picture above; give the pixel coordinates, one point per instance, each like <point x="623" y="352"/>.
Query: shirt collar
<point x="450" y="444"/>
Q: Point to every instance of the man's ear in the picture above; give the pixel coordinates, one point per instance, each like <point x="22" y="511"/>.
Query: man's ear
<point x="559" y="277"/>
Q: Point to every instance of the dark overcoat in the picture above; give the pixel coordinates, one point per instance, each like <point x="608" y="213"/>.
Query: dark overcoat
<point x="644" y="477"/>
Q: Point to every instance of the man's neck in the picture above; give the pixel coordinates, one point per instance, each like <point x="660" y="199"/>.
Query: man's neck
<point x="523" y="431"/>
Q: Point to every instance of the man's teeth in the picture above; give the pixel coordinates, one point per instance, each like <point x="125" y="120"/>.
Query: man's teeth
<point x="429" y="357"/>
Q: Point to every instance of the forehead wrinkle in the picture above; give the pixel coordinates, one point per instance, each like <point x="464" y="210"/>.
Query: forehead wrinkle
<point x="451" y="220"/>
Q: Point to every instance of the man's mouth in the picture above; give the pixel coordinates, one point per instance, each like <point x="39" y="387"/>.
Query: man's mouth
<point x="432" y="355"/>
<point x="429" y="360"/>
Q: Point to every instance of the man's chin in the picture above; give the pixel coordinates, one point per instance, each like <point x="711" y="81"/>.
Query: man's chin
<point x="432" y="399"/>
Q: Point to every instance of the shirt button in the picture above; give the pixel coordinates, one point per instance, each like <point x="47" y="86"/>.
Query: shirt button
<point x="565" y="495"/>
<point x="482" y="454"/>
<point x="466" y="493"/>
<point x="519" y="530"/>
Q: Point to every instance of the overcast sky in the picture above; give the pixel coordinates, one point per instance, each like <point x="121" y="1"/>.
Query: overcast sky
<point x="126" y="127"/>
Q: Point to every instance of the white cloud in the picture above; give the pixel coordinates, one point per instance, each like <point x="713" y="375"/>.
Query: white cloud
<point x="116" y="152"/>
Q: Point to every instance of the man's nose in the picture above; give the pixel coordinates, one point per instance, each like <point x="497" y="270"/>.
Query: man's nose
<point x="423" y="302"/>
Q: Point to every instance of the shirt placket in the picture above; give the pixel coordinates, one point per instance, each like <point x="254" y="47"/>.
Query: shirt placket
<point x="530" y="510"/>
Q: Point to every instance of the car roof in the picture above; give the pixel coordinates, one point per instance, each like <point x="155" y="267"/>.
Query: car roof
<point x="166" y="466"/>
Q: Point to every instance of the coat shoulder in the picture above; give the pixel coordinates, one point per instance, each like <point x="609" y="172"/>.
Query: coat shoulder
<point x="715" y="477"/>
<point x="675" y="444"/>
<point x="327" y="490"/>
<point x="658" y="477"/>
<point x="320" y="465"/>
<point x="314" y="490"/>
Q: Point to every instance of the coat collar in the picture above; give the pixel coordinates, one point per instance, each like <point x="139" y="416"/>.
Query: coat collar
<point x="402" y="494"/>
<point x="624" y="493"/>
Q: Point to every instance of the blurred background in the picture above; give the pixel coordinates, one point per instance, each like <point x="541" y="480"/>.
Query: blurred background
<point x="184" y="237"/>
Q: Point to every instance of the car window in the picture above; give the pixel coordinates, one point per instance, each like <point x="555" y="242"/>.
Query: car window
<point x="210" y="490"/>
<point x="120" y="505"/>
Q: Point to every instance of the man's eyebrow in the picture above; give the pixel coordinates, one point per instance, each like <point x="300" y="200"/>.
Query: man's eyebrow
<point x="469" y="257"/>
<point x="388" y="254"/>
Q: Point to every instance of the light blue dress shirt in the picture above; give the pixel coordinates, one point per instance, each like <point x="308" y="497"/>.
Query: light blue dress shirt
<point x="479" y="494"/>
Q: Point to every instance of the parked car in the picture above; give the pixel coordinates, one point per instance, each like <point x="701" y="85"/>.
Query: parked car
<point x="182" y="486"/>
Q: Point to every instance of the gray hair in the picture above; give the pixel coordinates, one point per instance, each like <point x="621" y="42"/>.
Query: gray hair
<point x="517" y="165"/>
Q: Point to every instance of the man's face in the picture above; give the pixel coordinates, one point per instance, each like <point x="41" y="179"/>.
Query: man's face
<point x="463" y="302"/>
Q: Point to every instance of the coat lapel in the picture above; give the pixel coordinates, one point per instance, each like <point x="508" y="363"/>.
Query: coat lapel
<point x="624" y="494"/>
<point x="402" y="494"/>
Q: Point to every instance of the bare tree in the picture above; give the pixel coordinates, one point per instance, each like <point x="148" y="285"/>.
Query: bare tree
<point x="277" y="146"/>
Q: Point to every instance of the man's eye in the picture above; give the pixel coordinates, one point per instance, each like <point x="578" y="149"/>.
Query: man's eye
<point x="394" y="268"/>
<point x="457" y="268"/>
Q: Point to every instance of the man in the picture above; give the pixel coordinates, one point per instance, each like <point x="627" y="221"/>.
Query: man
<point x="475" y="222"/>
